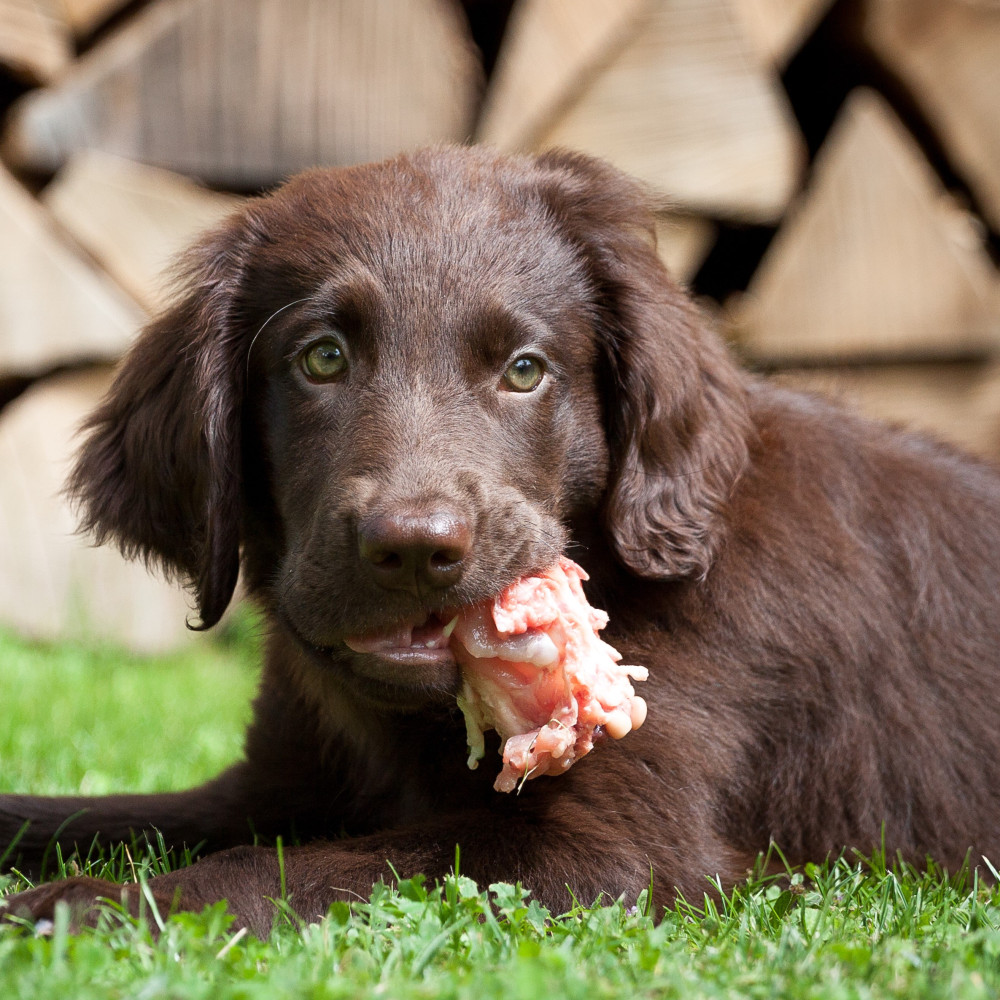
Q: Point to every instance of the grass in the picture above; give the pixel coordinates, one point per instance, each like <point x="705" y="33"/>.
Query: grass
<point x="94" y="720"/>
<point x="87" y="720"/>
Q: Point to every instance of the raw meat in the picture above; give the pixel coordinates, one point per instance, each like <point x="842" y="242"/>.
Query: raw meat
<point x="535" y="670"/>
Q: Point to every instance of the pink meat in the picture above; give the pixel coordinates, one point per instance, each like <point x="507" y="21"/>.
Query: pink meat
<point x="535" y="670"/>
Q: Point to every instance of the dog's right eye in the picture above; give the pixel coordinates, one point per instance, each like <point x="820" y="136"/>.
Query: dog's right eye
<point x="324" y="360"/>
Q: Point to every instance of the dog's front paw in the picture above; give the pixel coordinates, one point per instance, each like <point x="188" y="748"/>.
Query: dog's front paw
<point x="84" y="896"/>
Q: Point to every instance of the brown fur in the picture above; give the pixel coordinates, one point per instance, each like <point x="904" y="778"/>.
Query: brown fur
<point x="815" y="596"/>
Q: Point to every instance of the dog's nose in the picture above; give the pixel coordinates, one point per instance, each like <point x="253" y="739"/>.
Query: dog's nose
<point x="411" y="551"/>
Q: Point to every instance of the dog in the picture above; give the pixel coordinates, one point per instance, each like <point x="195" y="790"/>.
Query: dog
<point x="392" y="389"/>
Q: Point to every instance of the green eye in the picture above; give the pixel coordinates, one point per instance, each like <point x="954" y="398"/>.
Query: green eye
<point x="324" y="360"/>
<point x="524" y="374"/>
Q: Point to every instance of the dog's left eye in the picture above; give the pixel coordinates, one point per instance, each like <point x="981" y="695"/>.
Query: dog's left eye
<point x="524" y="374"/>
<point x="324" y="360"/>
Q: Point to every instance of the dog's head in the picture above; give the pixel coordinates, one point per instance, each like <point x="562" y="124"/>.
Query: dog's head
<point x="395" y="386"/>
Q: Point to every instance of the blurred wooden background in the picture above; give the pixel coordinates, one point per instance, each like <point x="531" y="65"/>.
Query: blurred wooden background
<point x="832" y="170"/>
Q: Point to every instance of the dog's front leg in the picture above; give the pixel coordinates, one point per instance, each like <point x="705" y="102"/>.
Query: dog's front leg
<point x="217" y="814"/>
<point x="557" y="854"/>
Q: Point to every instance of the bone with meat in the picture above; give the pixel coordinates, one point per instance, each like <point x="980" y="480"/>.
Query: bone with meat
<point x="535" y="670"/>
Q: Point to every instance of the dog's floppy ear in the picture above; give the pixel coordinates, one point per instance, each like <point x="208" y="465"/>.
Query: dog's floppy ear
<point x="160" y="470"/>
<point x="676" y="406"/>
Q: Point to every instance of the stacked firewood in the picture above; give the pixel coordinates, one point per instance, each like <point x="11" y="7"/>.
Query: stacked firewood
<point x="829" y="171"/>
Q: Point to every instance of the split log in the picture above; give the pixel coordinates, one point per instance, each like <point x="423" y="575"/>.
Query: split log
<point x="682" y="102"/>
<point x="55" y="307"/>
<point x="957" y="403"/>
<point x="35" y="40"/>
<point x="948" y="54"/>
<point x="132" y="218"/>
<point x="875" y="261"/>
<point x="550" y="48"/>
<point x="55" y="585"/>
<point x="777" y="28"/>
<point x="245" y="92"/>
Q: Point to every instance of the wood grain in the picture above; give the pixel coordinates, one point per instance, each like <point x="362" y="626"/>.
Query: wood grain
<point x="686" y="105"/>
<point x="133" y="219"/>
<point x="55" y="585"/>
<point x="245" y="92"/>
<point x="550" y="48"/>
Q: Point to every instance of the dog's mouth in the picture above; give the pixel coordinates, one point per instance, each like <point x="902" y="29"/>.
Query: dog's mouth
<point x="412" y="656"/>
<point x="408" y="640"/>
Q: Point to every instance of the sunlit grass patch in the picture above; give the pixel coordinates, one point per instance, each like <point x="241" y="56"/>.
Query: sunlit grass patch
<point x="96" y="720"/>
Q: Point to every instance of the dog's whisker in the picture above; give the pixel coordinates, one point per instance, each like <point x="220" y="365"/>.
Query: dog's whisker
<point x="274" y="315"/>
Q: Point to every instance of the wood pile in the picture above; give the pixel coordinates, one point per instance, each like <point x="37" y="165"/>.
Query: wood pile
<point x="829" y="172"/>
<point x="874" y="261"/>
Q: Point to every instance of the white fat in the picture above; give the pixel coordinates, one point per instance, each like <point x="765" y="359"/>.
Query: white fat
<point x="617" y="724"/>
<point x="638" y="712"/>
<point x="535" y="648"/>
<point x="474" y="725"/>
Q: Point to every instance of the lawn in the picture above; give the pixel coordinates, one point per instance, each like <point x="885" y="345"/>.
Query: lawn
<point x="90" y="720"/>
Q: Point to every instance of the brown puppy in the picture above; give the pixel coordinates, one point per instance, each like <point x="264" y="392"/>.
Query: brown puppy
<point x="396" y="388"/>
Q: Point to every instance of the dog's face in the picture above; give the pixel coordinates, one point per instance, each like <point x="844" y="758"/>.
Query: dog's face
<point x="395" y="386"/>
<point x="427" y="407"/>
